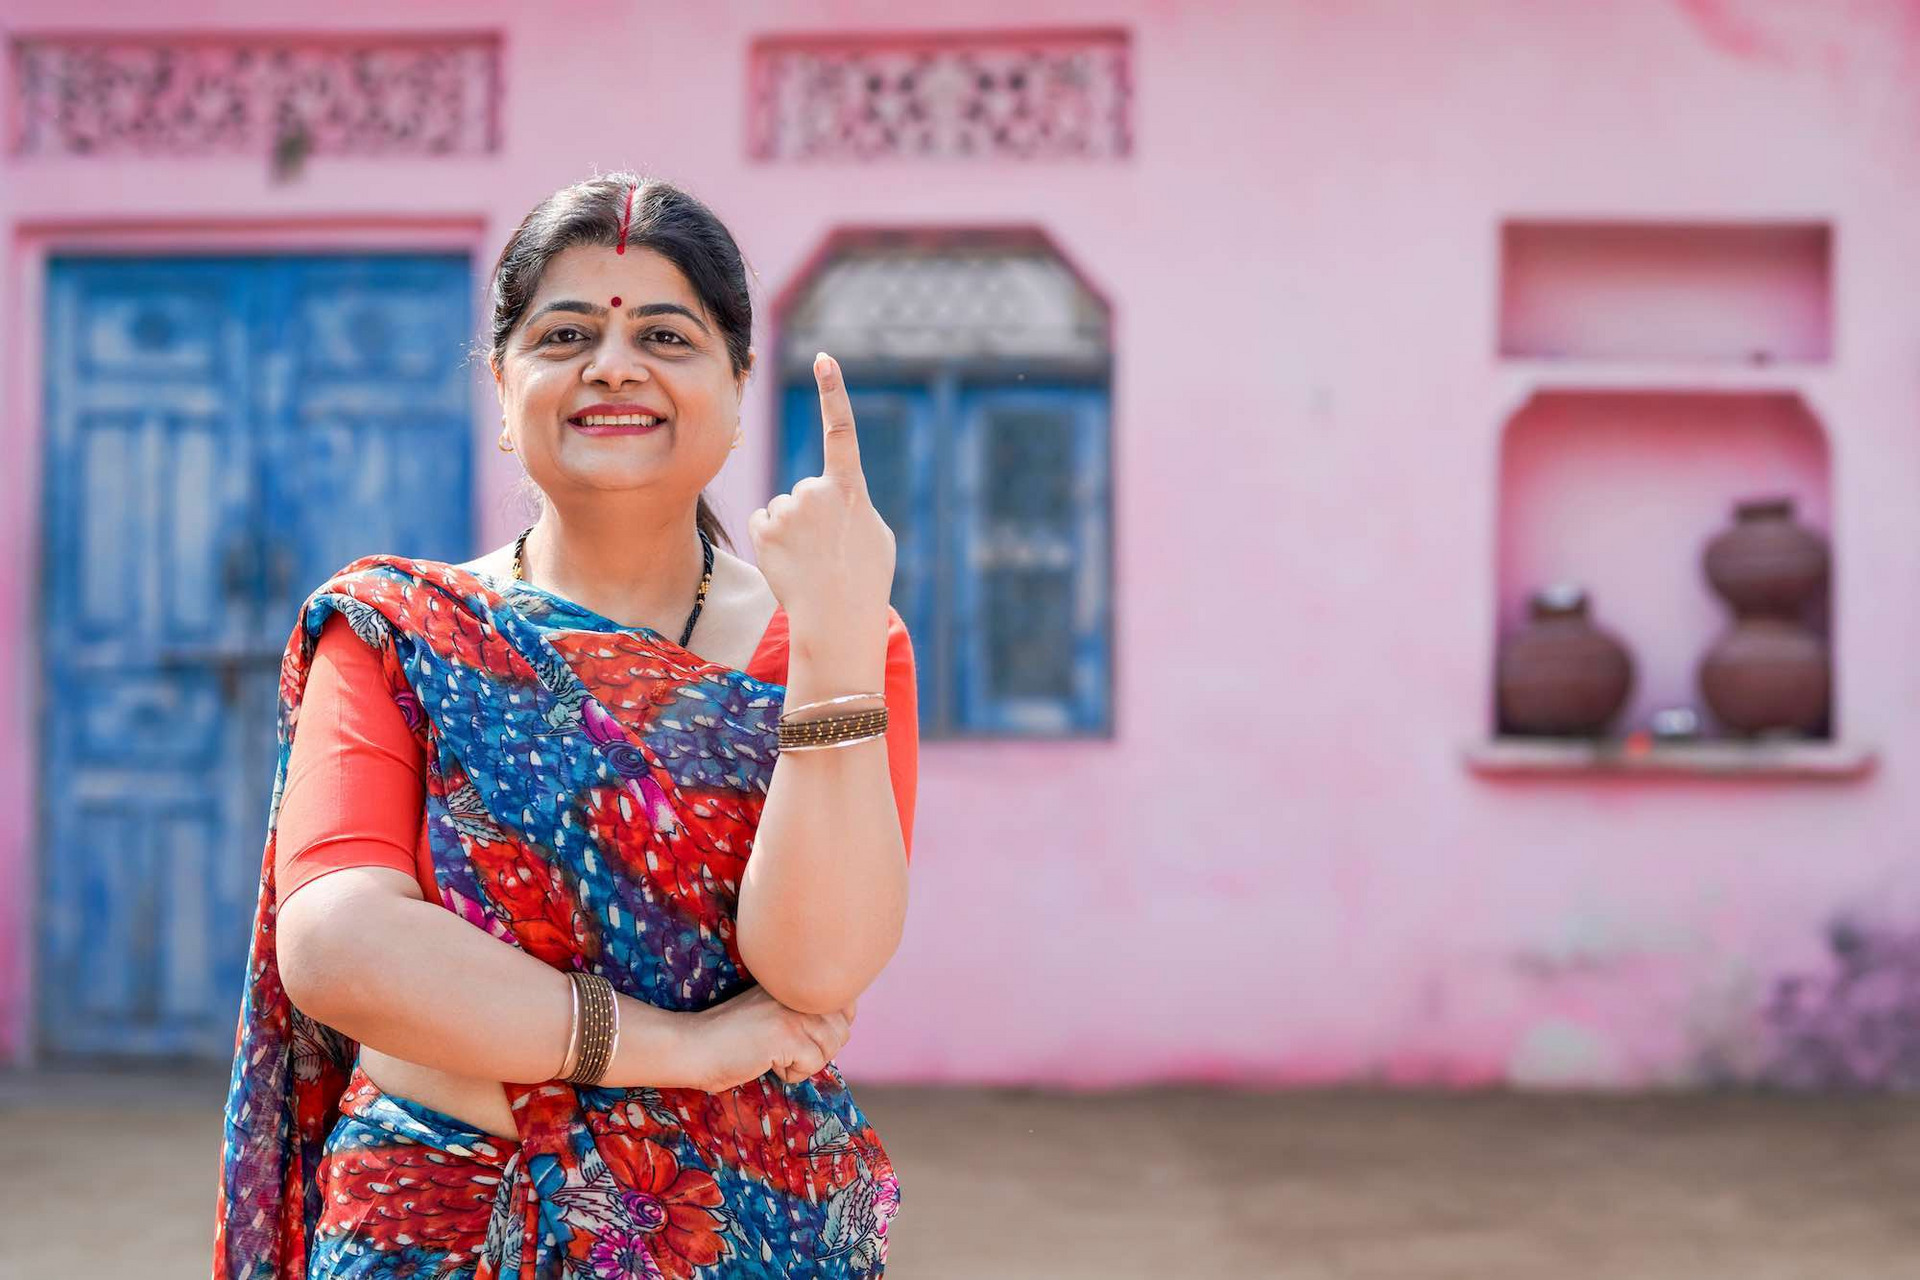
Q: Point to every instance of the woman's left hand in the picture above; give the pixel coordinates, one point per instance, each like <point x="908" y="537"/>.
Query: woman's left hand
<point x="823" y="548"/>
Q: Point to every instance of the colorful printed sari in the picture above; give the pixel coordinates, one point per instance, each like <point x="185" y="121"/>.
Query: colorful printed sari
<point x="592" y="796"/>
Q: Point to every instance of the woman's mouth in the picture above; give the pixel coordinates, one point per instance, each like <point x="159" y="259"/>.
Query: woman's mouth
<point x="614" y="424"/>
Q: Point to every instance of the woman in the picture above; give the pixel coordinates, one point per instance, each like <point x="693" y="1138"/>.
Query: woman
<point x="519" y="1002"/>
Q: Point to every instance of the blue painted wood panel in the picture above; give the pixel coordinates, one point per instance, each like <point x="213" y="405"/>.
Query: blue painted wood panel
<point x="898" y="453"/>
<point x="221" y="434"/>
<point x="1031" y="609"/>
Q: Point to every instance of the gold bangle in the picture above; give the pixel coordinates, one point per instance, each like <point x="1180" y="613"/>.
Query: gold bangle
<point x="572" y="1054"/>
<point x="842" y="700"/>
<point x="613" y="1045"/>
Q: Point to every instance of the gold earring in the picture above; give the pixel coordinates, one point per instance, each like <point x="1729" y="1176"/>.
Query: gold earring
<point x="505" y="443"/>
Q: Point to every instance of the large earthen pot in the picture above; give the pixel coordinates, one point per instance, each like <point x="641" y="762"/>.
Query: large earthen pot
<point x="1767" y="564"/>
<point x="1768" y="675"/>
<point x="1770" y="672"/>
<point x="1561" y="676"/>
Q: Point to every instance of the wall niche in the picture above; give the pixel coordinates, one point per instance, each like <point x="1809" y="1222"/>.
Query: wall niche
<point x="1726" y="293"/>
<point x="1656" y="377"/>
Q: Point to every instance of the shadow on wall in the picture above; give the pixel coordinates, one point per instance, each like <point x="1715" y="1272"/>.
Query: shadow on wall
<point x="1854" y="1026"/>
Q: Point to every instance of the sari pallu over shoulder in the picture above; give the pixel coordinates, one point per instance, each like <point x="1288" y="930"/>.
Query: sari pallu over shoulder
<point x="592" y="795"/>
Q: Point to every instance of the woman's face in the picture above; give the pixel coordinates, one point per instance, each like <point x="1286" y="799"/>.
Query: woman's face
<point x="609" y="336"/>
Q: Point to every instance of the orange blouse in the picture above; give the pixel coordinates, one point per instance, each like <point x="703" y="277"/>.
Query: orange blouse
<point x="355" y="793"/>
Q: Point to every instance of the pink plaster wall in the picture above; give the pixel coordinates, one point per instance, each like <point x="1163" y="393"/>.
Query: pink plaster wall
<point x="1278" y="870"/>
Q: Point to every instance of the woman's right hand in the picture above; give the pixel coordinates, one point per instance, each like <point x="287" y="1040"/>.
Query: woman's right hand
<point x="744" y="1038"/>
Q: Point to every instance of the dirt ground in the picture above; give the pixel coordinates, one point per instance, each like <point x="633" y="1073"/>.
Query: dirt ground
<point x="105" y="1175"/>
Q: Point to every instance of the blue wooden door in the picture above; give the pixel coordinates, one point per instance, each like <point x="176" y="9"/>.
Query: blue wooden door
<point x="221" y="434"/>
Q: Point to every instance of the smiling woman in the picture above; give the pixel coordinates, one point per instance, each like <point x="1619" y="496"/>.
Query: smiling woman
<point x="562" y="922"/>
<point x="660" y="353"/>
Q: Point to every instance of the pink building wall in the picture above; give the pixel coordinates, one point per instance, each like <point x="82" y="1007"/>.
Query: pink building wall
<point x="1279" y="869"/>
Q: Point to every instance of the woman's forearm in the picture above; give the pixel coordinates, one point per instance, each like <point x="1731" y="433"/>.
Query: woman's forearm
<point x="823" y="900"/>
<point x="362" y="954"/>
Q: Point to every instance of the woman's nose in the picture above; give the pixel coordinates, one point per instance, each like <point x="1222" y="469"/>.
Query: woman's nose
<point x="617" y="366"/>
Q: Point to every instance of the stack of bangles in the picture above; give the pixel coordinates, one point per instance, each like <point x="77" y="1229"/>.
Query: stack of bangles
<point x="593" y="1032"/>
<point x="841" y="730"/>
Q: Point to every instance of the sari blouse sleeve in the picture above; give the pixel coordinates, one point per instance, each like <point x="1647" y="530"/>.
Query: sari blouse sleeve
<point x="903" y="724"/>
<point x="355" y="794"/>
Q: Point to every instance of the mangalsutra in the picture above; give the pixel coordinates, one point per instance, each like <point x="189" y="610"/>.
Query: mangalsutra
<point x="699" y="596"/>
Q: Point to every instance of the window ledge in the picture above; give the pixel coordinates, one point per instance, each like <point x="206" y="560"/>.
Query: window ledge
<point x="1832" y="761"/>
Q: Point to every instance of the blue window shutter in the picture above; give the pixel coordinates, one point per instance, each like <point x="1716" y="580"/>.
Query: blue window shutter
<point x="898" y="447"/>
<point x="1030" y="572"/>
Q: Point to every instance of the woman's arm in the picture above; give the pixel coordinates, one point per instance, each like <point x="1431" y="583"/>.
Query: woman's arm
<point x="362" y="951"/>
<point x="824" y="896"/>
<point x="823" y="900"/>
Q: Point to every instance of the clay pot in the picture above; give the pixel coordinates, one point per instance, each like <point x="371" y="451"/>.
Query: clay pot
<point x="1562" y="676"/>
<point x="1771" y="672"/>
<point x="1767" y="674"/>
<point x="1767" y="564"/>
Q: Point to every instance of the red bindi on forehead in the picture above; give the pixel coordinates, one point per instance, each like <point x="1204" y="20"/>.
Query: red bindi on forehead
<point x="615" y="302"/>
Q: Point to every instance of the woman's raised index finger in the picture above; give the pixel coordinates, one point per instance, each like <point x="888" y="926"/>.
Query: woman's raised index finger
<point x="840" y="446"/>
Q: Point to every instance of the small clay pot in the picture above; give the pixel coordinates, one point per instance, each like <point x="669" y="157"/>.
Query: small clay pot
<point x="1562" y="676"/>
<point x="1768" y="675"/>
<point x="1768" y="564"/>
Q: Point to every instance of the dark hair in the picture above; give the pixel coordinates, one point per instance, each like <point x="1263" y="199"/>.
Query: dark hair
<point x="647" y="213"/>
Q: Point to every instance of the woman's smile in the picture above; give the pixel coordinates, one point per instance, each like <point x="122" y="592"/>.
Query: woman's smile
<point x="586" y="388"/>
<point x="616" y="420"/>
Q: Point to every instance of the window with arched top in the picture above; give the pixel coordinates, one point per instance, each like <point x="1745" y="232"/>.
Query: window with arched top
<point x="979" y="366"/>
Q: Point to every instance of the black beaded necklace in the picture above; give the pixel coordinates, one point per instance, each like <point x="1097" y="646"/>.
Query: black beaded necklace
<point x="699" y="597"/>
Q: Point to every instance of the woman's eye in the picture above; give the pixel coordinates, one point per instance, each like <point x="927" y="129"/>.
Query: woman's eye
<point x="560" y="334"/>
<point x="669" y="335"/>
